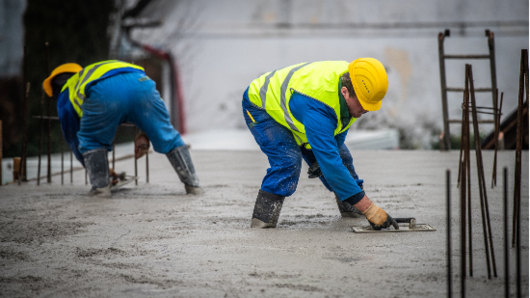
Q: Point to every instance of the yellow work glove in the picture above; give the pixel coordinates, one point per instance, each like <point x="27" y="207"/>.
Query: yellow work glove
<point x="379" y="219"/>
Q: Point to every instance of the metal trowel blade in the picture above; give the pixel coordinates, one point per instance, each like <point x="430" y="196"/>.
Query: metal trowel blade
<point x="122" y="183"/>
<point x="419" y="227"/>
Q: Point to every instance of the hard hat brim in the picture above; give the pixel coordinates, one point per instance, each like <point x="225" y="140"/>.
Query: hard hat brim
<point x="64" y="68"/>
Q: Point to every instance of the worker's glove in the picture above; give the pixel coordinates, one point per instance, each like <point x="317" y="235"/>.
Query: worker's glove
<point x="113" y="176"/>
<point x="379" y="219"/>
<point x="314" y="170"/>
<point x="141" y="145"/>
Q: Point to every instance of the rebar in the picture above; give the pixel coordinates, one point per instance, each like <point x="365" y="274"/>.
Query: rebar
<point x="62" y="162"/>
<point x="518" y="143"/>
<point x="41" y="136"/>
<point x="135" y="160"/>
<point x="488" y="243"/>
<point x="1" y="153"/>
<point x="506" y="235"/>
<point x="49" y="147"/>
<point x="23" y="167"/>
<point x="446" y="137"/>
<point x="463" y="230"/>
<point x="448" y="201"/>
<point x="467" y="159"/>
<point x="497" y="131"/>
<point x="147" y="166"/>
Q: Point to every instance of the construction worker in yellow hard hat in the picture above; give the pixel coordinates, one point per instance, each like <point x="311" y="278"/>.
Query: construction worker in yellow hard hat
<point x="93" y="101"/>
<point x="304" y="111"/>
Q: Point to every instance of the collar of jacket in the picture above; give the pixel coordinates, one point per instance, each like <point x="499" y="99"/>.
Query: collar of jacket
<point x="344" y="112"/>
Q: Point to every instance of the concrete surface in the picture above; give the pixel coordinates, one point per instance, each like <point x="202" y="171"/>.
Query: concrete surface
<point x="153" y="240"/>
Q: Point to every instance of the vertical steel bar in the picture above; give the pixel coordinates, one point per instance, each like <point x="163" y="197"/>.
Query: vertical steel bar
<point x="1" y="153"/>
<point x="23" y="159"/>
<point x="491" y="46"/>
<point x="498" y="129"/>
<point x="518" y="149"/>
<point x="49" y="147"/>
<point x="463" y="230"/>
<point x="135" y="160"/>
<point x="41" y="136"/>
<point x="114" y="154"/>
<point x="506" y="235"/>
<point x="467" y="158"/>
<point x="479" y="158"/>
<point x="496" y="136"/>
<point x="71" y="167"/>
<point x="147" y="166"/>
<point x="446" y="136"/>
<point x="62" y="162"/>
<point x="448" y="225"/>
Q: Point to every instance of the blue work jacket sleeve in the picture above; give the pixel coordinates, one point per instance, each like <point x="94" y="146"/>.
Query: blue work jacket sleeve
<point x="340" y="138"/>
<point x="70" y="124"/>
<point x="320" y="127"/>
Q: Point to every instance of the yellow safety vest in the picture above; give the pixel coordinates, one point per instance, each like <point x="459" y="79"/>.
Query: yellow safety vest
<point x="77" y="83"/>
<point x="318" y="80"/>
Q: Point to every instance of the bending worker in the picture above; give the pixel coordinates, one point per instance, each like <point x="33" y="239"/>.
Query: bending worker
<point x="305" y="111"/>
<point x="93" y="101"/>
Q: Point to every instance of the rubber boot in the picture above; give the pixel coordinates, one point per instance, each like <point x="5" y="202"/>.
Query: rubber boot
<point x="97" y="166"/>
<point x="266" y="210"/>
<point x="347" y="210"/>
<point x="180" y="159"/>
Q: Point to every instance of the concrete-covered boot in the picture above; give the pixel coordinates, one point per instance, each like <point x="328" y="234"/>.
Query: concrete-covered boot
<point x="180" y="159"/>
<point x="347" y="210"/>
<point x="97" y="165"/>
<point x="266" y="210"/>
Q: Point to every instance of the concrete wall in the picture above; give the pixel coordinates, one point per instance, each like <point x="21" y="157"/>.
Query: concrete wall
<point x="223" y="45"/>
<point x="11" y="37"/>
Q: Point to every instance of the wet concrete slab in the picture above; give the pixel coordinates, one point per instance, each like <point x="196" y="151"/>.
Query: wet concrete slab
<point x="154" y="240"/>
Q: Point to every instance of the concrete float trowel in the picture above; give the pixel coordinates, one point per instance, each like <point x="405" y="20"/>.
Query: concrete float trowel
<point x="405" y="225"/>
<point x="123" y="180"/>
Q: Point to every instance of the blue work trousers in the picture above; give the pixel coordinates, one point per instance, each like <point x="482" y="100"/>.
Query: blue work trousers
<point x="126" y="97"/>
<point x="284" y="154"/>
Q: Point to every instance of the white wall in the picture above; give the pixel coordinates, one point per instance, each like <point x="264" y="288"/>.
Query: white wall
<point x="223" y="45"/>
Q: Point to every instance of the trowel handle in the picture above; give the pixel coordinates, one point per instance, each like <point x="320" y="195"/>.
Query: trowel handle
<point x="405" y="219"/>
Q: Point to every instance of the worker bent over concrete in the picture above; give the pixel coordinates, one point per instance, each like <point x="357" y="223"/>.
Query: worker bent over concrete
<point x="93" y="101"/>
<point x="305" y="111"/>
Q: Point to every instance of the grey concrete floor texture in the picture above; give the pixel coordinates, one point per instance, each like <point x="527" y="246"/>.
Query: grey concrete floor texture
<point x="153" y="240"/>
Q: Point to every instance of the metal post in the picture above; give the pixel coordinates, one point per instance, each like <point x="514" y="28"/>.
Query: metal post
<point x="463" y="230"/>
<point x="506" y="244"/>
<point x="441" y="54"/>
<point x="467" y="159"/>
<point x="448" y="194"/>
<point x="497" y="131"/>
<point x="49" y="170"/>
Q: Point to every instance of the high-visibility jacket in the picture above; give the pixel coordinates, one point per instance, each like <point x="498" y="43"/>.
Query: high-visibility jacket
<point x="318" y="80"/>
<point x="79" y="83"/>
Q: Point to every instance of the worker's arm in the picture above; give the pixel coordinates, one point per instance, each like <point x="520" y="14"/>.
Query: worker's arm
<point x="70" y="124"/>
<point x="320" y="126"/>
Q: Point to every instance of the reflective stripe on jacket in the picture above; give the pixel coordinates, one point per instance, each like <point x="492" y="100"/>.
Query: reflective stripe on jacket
<point x="318" y="80"/>
<point x="78" y="83"/>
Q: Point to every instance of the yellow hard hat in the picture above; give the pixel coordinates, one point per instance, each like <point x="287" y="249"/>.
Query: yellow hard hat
<point x="370" y="82"/>
<point x="67" y="67"/>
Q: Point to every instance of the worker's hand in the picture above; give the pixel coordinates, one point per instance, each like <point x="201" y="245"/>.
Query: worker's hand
<point x="141" y="145"/>
<point x="314" y="170"/>
<point x="113" y="176"/>
<point x="379" y="219"/>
